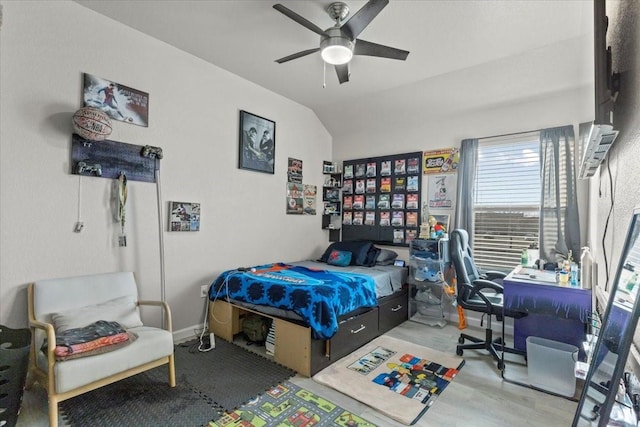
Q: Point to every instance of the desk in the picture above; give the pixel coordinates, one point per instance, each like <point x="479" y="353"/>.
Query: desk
<point x="559" y="313"/>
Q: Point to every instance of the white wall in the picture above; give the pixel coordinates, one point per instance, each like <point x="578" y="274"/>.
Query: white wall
<point x="193" y="115"/>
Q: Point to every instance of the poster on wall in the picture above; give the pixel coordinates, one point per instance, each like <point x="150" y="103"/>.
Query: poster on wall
<point x="440" y="161"/>
<point x="257" y="143"/>
<point x="295" y="196"/>
<point x="184" y="216"/>
<point x="310" y="192"/>
<point x="120" y="102"/>
<point x="441" y="191"/>
<point x="294" y="171"/>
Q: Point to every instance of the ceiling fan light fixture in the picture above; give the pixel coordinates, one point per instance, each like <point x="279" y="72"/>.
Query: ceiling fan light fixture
<point x="337" y="43"/>
<point x="336" y="54"/>
<point x="335" y="48"/>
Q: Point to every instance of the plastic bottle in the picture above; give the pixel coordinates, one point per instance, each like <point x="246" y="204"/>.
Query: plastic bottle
<point x="586" y="262"/>
<point x="524" y="258"/>
<point x="574" y="274"/>
<point x="632" y="282"/>
<point x="533" y="254"/>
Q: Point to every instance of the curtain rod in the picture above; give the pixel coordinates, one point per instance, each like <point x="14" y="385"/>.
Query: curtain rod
<point x="509" y="134"/>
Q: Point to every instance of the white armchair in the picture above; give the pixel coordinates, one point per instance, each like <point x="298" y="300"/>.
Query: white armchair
<point x="58" y="304"/>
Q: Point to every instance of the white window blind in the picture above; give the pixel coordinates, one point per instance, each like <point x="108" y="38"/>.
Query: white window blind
<point x="507" y="199"/>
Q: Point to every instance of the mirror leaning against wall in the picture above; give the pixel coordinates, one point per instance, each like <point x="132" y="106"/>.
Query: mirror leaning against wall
<point x="603" y="399"/>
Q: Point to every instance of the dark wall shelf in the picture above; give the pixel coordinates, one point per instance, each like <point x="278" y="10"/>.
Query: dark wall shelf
<point x="381" y="198"/>
<point x="332" y="202"/>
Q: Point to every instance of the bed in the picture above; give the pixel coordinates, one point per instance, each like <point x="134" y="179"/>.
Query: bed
<point x="320" y="311"/>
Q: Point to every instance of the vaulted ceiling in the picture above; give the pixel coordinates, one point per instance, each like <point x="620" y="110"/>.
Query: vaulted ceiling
<point x="464" y="55"/>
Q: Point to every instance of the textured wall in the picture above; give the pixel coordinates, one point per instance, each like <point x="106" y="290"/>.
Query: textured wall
<point x="617" y="193"/>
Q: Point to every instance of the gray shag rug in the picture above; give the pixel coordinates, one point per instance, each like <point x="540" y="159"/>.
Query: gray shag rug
<point x="208" y="384"/>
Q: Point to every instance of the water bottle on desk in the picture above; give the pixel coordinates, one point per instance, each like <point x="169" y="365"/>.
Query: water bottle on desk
<point x="524" y="258"/>
<point x="574" y="274"/>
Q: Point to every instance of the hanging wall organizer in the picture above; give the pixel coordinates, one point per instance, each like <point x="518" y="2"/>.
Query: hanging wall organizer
<point x="381" y="198"/>
<point x="109" y="159"/>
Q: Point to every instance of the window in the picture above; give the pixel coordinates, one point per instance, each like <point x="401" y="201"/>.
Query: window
<point x="506" y="209"/>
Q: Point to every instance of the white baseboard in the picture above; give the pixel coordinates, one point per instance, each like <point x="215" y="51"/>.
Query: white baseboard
<point x="186" y="334"/>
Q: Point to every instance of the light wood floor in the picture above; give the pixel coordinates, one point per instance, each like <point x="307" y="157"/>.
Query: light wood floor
<point x="478" y="396"/>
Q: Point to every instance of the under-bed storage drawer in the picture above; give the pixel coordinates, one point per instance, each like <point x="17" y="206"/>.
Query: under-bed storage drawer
<point x="393" y="310"/>
<point x="353" y="333"/>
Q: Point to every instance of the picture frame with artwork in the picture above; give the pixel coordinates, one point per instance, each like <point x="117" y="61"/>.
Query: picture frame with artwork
<point x="256" y="143"/>
<point x="184" y="216"/>
<point x="331" y="194"/>
<point x="119" y="102"/>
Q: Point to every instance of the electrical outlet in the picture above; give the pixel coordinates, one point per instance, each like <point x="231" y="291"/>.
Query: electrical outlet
<point x="204" y="291"/>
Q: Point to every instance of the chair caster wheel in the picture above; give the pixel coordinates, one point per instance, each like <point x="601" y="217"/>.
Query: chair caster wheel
<point x="460" y="340"/>
<point x="459" y="351"/>
<point x="500" y="365"/>
<point x="499" y="340"/>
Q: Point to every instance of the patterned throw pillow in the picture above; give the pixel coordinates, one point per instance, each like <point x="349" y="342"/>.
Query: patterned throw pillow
<point x="339" y="258"/>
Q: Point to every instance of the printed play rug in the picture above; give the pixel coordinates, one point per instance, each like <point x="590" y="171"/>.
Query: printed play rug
<point x="397" y="378"/>
<point x="287" y="405"/>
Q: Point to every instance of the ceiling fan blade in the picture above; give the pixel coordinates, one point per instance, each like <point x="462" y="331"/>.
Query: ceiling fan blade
<point x="297" y="55"/>
<point x="364" y="47"/>
<point x="358" y="22"/>
<point x="299" y="19"/>
<point x="343" y="72"/>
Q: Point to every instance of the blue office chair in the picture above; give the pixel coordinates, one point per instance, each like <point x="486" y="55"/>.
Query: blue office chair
<point x="480" y="292"/>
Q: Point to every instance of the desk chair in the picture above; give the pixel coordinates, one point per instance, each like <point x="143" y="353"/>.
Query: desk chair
<point x="481" y="293"/>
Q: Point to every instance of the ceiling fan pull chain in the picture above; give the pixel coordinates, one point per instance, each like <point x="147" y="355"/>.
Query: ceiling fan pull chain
<point x="324" y="74"/>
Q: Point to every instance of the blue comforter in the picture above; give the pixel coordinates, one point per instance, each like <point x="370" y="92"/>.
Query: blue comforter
<point x="318" y="296"/>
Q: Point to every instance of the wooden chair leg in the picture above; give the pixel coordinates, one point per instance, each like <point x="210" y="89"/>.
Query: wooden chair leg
<point x="53" y="412"/>
<point x="172" y="372"/>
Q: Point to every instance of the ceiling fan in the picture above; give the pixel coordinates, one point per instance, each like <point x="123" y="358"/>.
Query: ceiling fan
<point x="339" y="43"/>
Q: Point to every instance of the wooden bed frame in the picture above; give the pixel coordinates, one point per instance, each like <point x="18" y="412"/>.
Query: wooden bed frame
<point x="294" y="346"/>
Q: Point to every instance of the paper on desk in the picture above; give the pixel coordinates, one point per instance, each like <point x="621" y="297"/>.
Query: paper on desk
<point x="537" y="275"/>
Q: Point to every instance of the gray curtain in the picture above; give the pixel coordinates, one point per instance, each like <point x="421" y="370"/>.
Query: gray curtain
<point x="463" y="217"/>
<point x="559" y="221"/>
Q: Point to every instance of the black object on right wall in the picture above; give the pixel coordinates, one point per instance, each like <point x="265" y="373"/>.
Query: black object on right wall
<point x="608" y="360"/>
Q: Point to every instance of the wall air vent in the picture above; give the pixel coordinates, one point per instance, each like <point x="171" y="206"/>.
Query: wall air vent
<point x="600" y="139"/>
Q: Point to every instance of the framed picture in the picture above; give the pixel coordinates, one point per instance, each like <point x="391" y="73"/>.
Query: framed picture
<point x="328" y="167"/>
<point x="331" y="194"/>
<point x="120" y="102"/>
<point x="184" y="216"/>
<point x="257" y="143"/>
